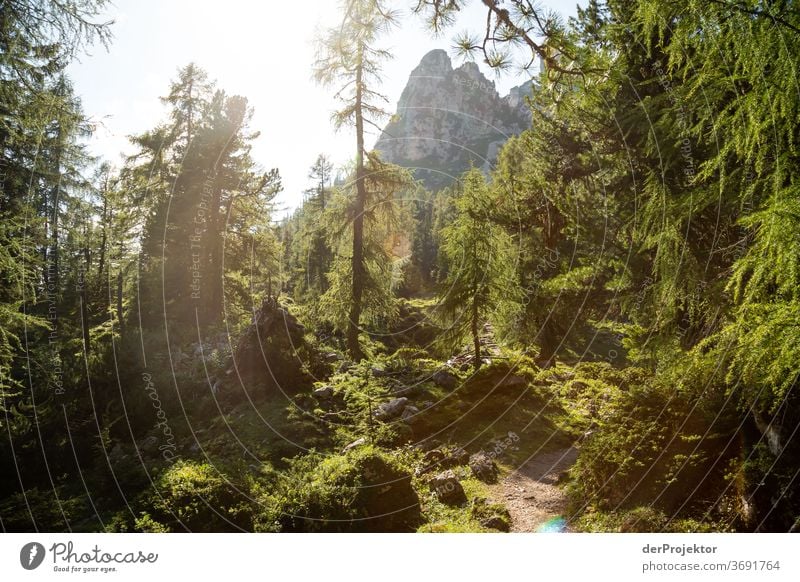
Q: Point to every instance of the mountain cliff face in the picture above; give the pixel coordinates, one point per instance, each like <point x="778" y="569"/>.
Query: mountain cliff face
<point x="448" y="118"/>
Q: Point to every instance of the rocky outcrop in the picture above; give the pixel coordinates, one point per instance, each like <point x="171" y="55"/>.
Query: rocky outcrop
<point x="271" y="352"/>
<point x="448" y="119"/>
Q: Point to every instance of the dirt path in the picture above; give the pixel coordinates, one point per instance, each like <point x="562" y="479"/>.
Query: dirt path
<point x="530" y="493"/>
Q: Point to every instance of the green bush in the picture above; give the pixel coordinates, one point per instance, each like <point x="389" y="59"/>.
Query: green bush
<point x="196" y="497"/>
<point x="657" y="446"/>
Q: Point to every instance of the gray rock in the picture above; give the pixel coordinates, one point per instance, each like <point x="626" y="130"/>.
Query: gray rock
<point x="444" y="112"/>
<point x="483" y="467"/>
<point x="444" y="379"/>
<point x="434" y="456"/>
<point x="455" y="457"/>
<point x="515" y="382"/>
<point x="496" y="522"/>
<point x="409" y="415"/>
<point x="428" y="445"/>
<point x="447" y="488"/>
<point x="148" y="444"/>
<point x="391" y="409"/>
<point x="323" y="392"/>
<point x="404" y="390"/>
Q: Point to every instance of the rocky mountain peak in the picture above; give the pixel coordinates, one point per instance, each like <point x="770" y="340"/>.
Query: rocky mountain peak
<point x="436" y="62"/>
<point x="448" y="119"/>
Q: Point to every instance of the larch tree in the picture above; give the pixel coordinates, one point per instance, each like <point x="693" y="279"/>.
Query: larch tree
<point x="349" y="60"/>
<point x="480" y="285"/>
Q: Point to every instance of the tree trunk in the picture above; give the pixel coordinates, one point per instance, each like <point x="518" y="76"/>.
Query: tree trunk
<point x="85" y="324"/>
<point x="107" y="217"/>
<point x="214" y="259"/>
<point x="353" y="345"/>
<point x="120" y="317"/>
<point x="476" y="338"/>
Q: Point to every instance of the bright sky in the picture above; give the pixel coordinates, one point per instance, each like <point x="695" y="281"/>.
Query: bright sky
<point x="261" y="50"/>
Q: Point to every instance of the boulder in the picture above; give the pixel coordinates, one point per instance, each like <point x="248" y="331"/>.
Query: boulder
<point x="149" y="444"/>
<point x="483" y="467"/>
<point x="433" y="457"/>
<point x="400" y="389"/>
<point x="515" y="382"/>
<point x="409" y="415"/>
<point x="445" y="457"/>
<point x="391" y="409"/>
<point x="456" y="456"/>
<point x="447" y="488"/>
<point x="444" y="379"/>
<point x="323" y="392"/>
<point x="267" y="351"/>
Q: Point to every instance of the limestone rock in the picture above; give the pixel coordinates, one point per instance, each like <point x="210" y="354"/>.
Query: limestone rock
<point x="483" y="467"/>
<point x="448" y="488"/>
<point x="323" y="392"/>
<point x="391" y="409"/>
<point x="356" y="443"/>
<point x="450" y="118"/>
<point x="409" y="415"/>
<point x="444" y="379"/>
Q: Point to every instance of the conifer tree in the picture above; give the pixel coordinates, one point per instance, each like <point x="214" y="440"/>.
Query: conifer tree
<point x="349" y="60"/>
<point x="480" y="286"/>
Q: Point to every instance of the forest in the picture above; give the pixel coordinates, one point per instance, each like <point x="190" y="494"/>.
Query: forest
<point x="601" y="333"/>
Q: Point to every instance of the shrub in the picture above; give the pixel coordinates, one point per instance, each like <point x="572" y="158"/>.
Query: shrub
<point x="654" y="447"/>
<point x="196" y="497"/>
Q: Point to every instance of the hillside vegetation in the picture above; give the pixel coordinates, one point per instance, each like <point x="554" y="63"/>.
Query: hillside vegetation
<point x="623" y="279"/>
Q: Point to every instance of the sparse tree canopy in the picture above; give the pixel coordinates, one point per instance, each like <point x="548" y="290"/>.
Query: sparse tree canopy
<point x="480" y="285"/>
<point x="349" y="60"/>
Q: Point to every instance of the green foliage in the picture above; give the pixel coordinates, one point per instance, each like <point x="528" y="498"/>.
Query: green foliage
<point x="480" y="282"/>
<point x="363" y="490"/>
<point x="443" y="518"/>
<point x="648" y="216"/>
<point x="36" y="510"/>
<point x="657" y="446"/>
<point x="644" y="520"/>
<point x="197" y="497"/>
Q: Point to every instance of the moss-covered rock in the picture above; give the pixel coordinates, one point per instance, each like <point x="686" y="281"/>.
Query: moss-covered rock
<point x="361" y="490"/>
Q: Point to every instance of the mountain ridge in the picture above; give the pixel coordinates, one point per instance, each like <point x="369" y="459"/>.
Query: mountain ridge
<point x="448" y="119"/>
